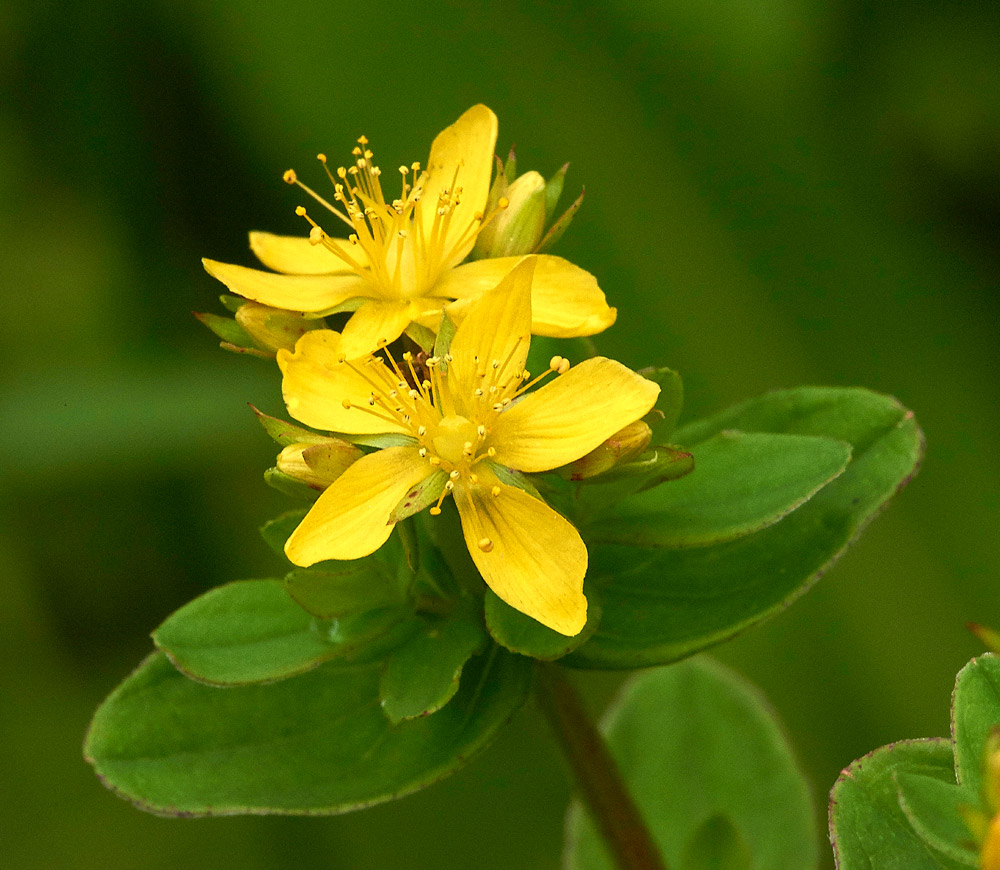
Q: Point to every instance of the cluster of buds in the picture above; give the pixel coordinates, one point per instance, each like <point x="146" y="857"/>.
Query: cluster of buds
<point x="526" y="225"/>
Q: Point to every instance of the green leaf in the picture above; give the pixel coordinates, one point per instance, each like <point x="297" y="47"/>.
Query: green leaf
<point x="422" y="336"/>
<point x="338" y="589"/>
<point x="934" y="809"/>
<point x="316" y="744"/>
<point x="528" y="637"/>
<point x="694" y="742"/>
<point x="275" y="532"/>
<point x="663" y="605"/>
<point x="742" y="482"/>
<point x="251" y="631"/>
<point x="868" y="828"/>
<point x="975" y="710"/>
<point x="716" y="845"/>
<point x="422" y="675"/>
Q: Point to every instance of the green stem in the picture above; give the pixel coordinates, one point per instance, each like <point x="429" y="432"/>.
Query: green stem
<point x="599" y="781"/>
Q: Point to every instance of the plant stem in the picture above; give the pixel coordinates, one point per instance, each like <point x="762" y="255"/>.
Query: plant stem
<point x="598" y="779"/>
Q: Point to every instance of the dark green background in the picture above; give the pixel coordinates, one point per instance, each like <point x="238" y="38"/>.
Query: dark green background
<point x="779" y="192"/>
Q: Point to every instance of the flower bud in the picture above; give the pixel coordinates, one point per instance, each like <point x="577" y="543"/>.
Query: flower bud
<point x="274" y="328"/>
<point x="517" y="228"/>
<point x="624" y="445"/>
<point x="991" y="772"/>
<point x="317" y="465"/>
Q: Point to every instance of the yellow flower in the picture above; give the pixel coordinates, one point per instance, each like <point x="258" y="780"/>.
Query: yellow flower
<point x="401" y="261"/>
<point x="463" y="422"/>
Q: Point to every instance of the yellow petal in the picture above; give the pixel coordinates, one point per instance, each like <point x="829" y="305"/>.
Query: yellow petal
<point x="466" y="146"/>
<point x="497" y="326"/>
<point x="373" y="322"/>
<point x="296" y="255"/>
<point x="570" y="416"/>
<point x="565" y="299"/>
<point x="528" y="554"/>
<point x="293" y="292"/>
<point x="351" y="518"/>
<point x="316" y="385"/>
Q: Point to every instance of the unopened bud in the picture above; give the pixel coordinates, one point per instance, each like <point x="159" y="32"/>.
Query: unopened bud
<point x="991" y="770"/>
<point x="317" y="465"/>
<point x="624" y="445"/>
<point x="274" y="328"/>
<point x="518" y="228"/>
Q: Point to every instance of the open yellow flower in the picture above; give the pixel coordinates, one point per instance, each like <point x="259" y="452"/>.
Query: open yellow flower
<point x="463" y="422"/>
<point x="400" y="263"/>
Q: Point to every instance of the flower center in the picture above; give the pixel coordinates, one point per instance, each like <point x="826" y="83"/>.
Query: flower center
<point x="454" y="440"/>
<point x="401" y="248"/>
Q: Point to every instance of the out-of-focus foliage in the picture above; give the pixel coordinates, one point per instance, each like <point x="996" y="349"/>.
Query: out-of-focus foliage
<point x="778" y="193"/>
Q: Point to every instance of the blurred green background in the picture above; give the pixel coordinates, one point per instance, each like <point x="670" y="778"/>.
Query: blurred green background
<point x="779" y="192"/>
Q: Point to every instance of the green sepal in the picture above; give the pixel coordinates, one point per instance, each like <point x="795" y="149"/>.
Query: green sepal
<point x="442" y="343"/>
<point x="669" y="404"/>
<point x="868" y="828"/>
<point x="423" y="337"/>
<point x="935" y="810"/>
<point x="422" y="675"/>
<point x="232" y="303"/>
<point x="251" y="631"/>
<point x="390" y="439"/>
<point x="289" y="485"/>
<point x="554" y="189"/>
<point x="743" y="482"/>
<point x="716" y="845"/>
<point x="693" y="742"/>
<point x="234" y="337"/>
<point x="511" y="477"/>
<point x="510" y="167"/>
<point x="316" y="744"/>
<point x="662" y="605"/>
<point x="275" y="532"/>
<point x="285" y="433"/>
<point x="555" y="232"/>
<point x="989" y="637"/>
<point x="352" y="304"/>
<point x="526" y="636"/>
<point x="421" y="496"/>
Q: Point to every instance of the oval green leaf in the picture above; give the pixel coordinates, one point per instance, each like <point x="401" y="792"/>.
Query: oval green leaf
<point x="663" y="605"/>
<point x="422" y="675"/>
<point x="251" y="631"/>
<point x="742" y="482"/>
<point x="316" y="744"/>
<point x="868" y="828"/>
<point x="695" y="742"/>
<point x="526" y="636"/>
<point x="975" y="710"/>
<point x="934" y="809"/>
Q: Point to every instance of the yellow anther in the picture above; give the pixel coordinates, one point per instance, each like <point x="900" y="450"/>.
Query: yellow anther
<point x="495" y="491"/>
<point x="449" y="485"/>
<point x="491" y="452"/>
<point x="300" y="210"/>
<point x="362" y="140"/>
<point x="435" y="511"/>
<point x="485" y="544"/>
<point x="321" y="158"/>
<point x="347" y="404"/>
<point x="316" y="236"/>
<point x="422" y="452"/>
<point x="341" y="172"/>
<point x="453" y="474"/>
<point x="503" y="202"/>
<point x="403" y="170"/>
<point x="563" y="367"/>
<point x="421" y="431"/>
<point x="473" y="477"/>
<point x="289" y="176"/>
<point x="434" y="460"/>
<point x="481" y="431"/>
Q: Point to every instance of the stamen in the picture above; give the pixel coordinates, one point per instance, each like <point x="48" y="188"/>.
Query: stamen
<point x="486" y="545"/>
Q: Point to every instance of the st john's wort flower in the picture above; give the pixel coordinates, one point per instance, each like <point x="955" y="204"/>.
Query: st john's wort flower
<point x="402" y="260"/>
<point x="464" y="423"/>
